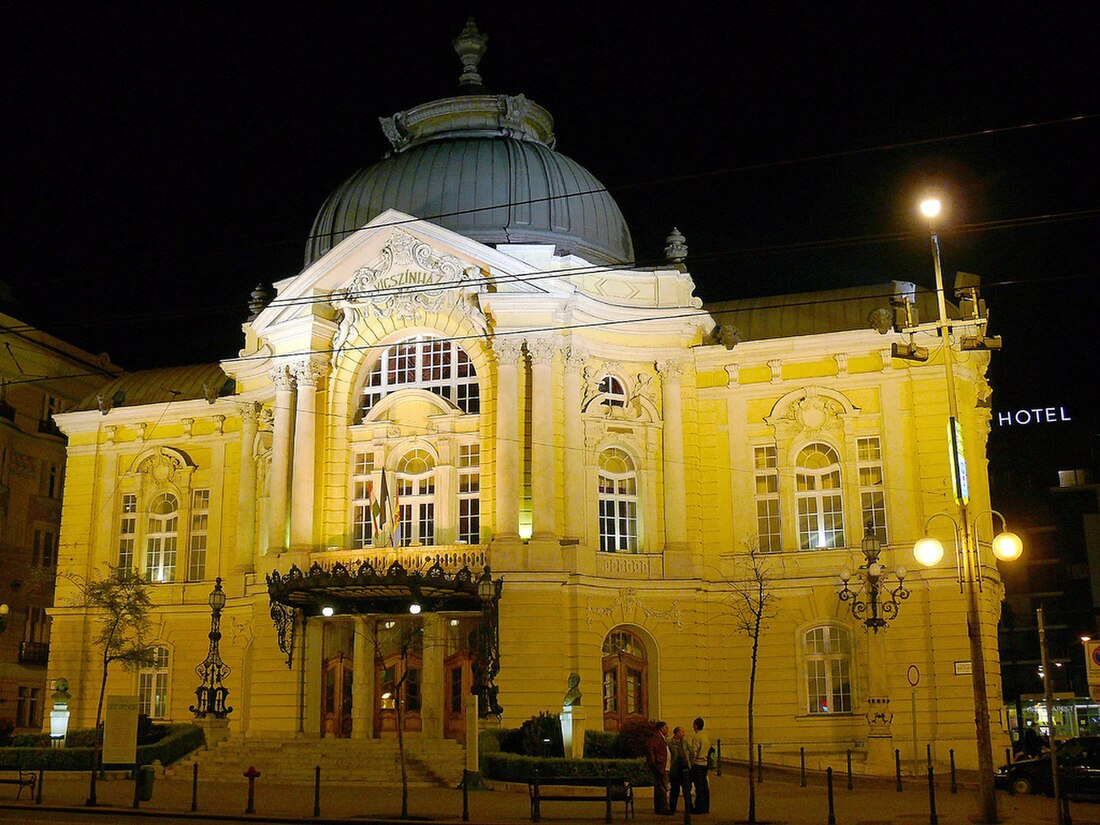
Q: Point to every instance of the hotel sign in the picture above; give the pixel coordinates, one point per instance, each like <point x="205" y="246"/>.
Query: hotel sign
<point x="1036" y="415"/>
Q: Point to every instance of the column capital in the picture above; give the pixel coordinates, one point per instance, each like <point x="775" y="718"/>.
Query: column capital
<point x="281" y="377"/>
<point x="542" y="349"/>
<point x="576" y="357"/>
<point x="308" y="373"/>
<point x="507" y="350"/>
<point x="671" y="369"/>
<point x="250" y="411"/>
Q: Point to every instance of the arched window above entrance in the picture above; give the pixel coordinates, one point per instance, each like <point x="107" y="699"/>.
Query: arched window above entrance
<point x="427" y="363"/>
<point x="618" y="502"/>
<point x="820" y="496"/>
<point x="416" y="498"/>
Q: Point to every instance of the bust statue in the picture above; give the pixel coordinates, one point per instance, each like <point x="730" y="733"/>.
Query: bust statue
<point x="572" y="696"/>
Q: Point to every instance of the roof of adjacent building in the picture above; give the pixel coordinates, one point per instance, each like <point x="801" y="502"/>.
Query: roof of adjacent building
<point x="160" y="386"/>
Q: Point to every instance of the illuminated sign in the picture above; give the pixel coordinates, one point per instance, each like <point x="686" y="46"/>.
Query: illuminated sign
<point x="1037" y="415"/>
<point x="408" y="278"/>
<point x="960" y="485"/>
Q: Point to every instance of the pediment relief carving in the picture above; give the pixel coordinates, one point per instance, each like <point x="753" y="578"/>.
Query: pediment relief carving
<point x="165" y="466"/>
<point x="407" y="283"/>
<point x="811" y="411"/>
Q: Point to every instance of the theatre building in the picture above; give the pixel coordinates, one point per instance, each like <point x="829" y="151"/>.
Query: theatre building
<point x="471" y="449"/>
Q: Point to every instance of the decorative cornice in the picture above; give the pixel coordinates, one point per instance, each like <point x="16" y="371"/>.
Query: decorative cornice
<point x="776" y="366"/>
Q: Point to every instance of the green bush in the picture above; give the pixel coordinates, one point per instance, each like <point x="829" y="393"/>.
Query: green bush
<point x="30" y="740"/>
<point x="542" y="736"/>
<point x="179" y="741"/>
<point x="6" y="727"/>
<point x="510" y="767"/>
<point x="633" y="736"/>
<point x="600" y="744"/>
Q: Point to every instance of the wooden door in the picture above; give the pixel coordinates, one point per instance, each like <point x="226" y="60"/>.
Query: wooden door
<point x="336" y="696"/>
<point x="457" y="680"/>
<point x="396" y="675"/>
<point x="625" y="679"/>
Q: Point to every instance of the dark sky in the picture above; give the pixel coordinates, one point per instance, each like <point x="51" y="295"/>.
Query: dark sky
<point x="161" y="159"/>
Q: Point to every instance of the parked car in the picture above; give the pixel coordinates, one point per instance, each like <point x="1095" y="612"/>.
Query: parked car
<point x="1078" y="770"/>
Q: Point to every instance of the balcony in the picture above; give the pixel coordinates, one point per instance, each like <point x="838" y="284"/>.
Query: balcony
<point x="34" y="653"/>
<point x="451" y="557"/>
<point x="630" y="565"/>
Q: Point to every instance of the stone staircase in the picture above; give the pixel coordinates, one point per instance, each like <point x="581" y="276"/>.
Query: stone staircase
<point x="428" y="762"/>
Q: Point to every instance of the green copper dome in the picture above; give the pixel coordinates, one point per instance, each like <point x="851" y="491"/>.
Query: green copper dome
<point x="483" y="166"/>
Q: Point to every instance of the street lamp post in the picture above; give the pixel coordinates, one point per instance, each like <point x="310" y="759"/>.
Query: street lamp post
<point x="967" y="550"/>
<point x="211" y="694"/>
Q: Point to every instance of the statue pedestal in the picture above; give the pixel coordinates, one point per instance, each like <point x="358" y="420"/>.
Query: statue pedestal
<point x="572" y="731"/>
<point x="215" y="730"/>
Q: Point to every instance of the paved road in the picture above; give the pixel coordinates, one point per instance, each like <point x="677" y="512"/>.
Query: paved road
<point x="779" y="799"/>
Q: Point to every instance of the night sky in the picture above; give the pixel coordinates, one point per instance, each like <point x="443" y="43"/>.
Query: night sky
<point x="162" y="159"/>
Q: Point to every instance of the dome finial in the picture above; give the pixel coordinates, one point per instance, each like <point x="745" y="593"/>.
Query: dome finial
<point x="470" y="46"/>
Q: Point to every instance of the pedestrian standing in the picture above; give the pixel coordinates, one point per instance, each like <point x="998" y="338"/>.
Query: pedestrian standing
<point x="699" y="753"/>
<point x="679" y="774"/>
<point x="656" y="759"/>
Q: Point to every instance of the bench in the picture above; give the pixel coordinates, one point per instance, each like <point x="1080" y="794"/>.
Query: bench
<point x="22" y="778"/>
<point x="607" y="790"/>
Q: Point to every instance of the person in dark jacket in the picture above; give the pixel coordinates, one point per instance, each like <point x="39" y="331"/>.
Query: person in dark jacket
<point x="679" y="776"/>
<point x="656" y="759"/>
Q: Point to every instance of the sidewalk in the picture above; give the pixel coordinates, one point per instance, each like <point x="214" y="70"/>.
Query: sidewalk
<point x="779" y="799"/>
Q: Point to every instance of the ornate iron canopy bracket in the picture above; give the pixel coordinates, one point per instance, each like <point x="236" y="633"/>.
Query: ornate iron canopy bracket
<point x="283" y="617"/>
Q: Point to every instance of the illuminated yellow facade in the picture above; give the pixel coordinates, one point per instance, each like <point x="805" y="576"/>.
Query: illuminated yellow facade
<point x="586" y="428"/>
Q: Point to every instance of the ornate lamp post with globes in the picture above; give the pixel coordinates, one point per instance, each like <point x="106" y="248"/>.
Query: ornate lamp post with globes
<point x="210" y="709"/>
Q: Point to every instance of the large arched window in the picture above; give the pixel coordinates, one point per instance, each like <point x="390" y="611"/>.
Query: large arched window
<point x="161" y="539"/>
<point x="618" y="500"/>
<point x="425" y="363"/>
<point x="819" y="496"/>
<point x="416" y="498"/>
<point x="625" y="679"/>
<point x="827" y="652"/>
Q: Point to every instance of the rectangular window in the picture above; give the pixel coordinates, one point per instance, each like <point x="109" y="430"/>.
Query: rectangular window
<point x="53" y="481"/>
<point x="27" y="713"/>
<point x="200" y="523"/>
<point x="127" y="532"/>
<point x="153" y="686"/>
<point x="34" y="628"/>
<point x="364" y="496"/>
<point x="469" y="494"/>
<point x="872" y="490"/>
<point x="766" y="469"/>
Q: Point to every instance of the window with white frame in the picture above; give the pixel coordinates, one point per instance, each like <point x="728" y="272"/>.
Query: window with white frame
<point x="362" y="499"/>
<point x="469" y="493"/>
<point x="819" y="497"/>
<point x="153" y="685"/>
<point x="200" y="528"/>
<point x="872" y="490"/>
<point x="127" y="532"/>
<point x="161" y="539"/>
<point x="827" y="652"/>
<point x="618" y="502"/>
<point x="416" y="498"/>
<point x="766" y="476"/>
<point x="426" y="363"/>
<point x="613" y="392"/>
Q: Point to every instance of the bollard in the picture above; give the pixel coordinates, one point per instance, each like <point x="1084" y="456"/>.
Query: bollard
<point x="954" y="786"/>
<point x="38" y="792"/>
<point x="687" y="796"/>
<point x="607" y="814"/>
<point x="759" y="763"/>
<point x="931" y="797"/>
<point x="1008" y="756"/>
<point x="897" y="767"/>
<point x="718" y="768"/>
<point x="928" y="752"/>
<point x="251" y="774"/>
<point x="316" y="790"/>
<point x="465" y="795"/>
<point x="802" y="765"/>
<point x="137" y="787"/>
<point x="195" y="787"/>
<point x="829" y="785"/>
<point x="1066" y="818"/>
<point x="849" y="769"/>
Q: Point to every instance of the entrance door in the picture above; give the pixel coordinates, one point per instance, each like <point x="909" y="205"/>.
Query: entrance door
<point x="625" y="680"/>
<point x="336" y="696"/>
<point x="394" y="674"/>
<point x="458" y="679"/>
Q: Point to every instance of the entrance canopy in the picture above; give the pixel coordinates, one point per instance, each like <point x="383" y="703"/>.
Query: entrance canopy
<point x="365" y="589"/>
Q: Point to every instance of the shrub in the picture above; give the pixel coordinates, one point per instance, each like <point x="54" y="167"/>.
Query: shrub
<point x="599" y="744"/>
<point x="633" y="736"/>
<point x="510" y="767"/>
<point x="542" y="736"/>
<point x="6" y="727"/>
<point x="179" y="741"/>
<point x="30" y="740"/>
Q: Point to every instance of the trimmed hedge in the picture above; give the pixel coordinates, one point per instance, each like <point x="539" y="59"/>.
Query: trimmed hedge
<point x="511" y="767"/>
<point x="180" y="741"/>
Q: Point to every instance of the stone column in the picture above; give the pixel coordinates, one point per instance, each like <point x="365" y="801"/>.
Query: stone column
<point x="279" y="477"/>
<point x="673" y="433"/>
<point x="362" y="678"/>
<point x="543" y="477"/>
<point x="573" y="460"/>
<point x="431" y="685"/>
<point x="246" y="489"/>
<point x="508" y="354"/>
<point x="306" y="374"/>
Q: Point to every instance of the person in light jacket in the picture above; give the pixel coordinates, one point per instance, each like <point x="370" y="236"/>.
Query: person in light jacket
<point x="698" y="752"/>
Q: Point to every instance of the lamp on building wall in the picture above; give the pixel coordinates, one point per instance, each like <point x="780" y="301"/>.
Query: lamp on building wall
<point x="486" y="663"/>
<point x="4" y="610"/>
<point x="211" y="694"/>
<point x="1006" y="546"/>
<point x="872" y="602"/>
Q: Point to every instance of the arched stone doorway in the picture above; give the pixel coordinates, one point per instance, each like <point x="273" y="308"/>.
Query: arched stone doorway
<point x="625" y="678"/>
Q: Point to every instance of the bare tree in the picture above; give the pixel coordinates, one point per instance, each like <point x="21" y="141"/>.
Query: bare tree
<point x="753" y="601"/>
<point x="121" y="597"/>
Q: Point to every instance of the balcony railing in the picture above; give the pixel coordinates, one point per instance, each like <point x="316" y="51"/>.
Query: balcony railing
<point x="34" y="653"/>
<point x="630" y="565"/>
<point x="451" y="557"/>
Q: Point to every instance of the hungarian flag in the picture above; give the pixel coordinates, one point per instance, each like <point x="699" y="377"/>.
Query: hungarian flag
<point x="379" y="516"/>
